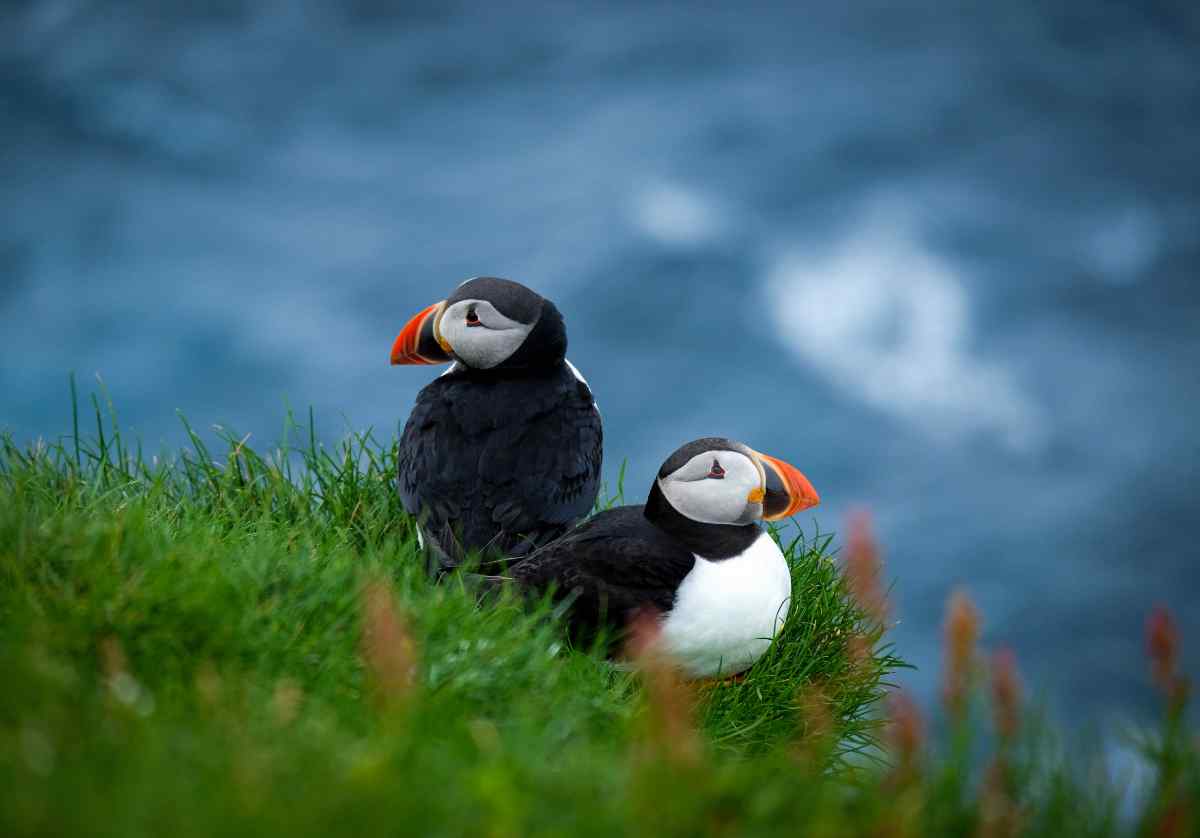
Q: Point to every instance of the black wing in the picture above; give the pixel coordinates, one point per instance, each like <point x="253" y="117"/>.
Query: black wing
<point x="613" y="565"/>
<point x="500" y="462"/>
<point x="543" y="477"/>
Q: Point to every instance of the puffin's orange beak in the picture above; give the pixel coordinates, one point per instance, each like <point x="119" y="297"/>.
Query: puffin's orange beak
<point x="788" y="490"/>
<point x="418" y="341"/>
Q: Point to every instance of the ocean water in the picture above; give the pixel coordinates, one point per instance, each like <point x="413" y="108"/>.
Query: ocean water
<point x="942" y="257"/>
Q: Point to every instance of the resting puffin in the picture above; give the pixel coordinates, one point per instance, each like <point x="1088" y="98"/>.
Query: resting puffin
<point x="501" y="453"/>
<point x="695" y="553"/>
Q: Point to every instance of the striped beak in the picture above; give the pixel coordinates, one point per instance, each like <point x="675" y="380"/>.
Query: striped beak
<point x="419" y="341"/>
<point x="788" y="490"/>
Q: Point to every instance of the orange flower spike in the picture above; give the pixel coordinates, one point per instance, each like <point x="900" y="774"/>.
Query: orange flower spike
<point x="112" y="657"/>
<point x="816" y="713"/>
<point x="387" y="646"/>
<point x="1006" y="694"/>
<point x="905" y="729"/>
<point x="669" y="700"/>
<point x="1162" y="647"/>
<point x="864" y="568"/>
<point x="961" y="634"/>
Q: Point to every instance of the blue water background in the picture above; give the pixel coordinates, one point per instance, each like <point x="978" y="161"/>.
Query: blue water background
<point x="942" y="256"/>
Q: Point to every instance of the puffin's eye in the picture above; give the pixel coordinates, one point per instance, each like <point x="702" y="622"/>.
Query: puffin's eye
<point x="472" y="317"/>
<point x="716" y="472"/>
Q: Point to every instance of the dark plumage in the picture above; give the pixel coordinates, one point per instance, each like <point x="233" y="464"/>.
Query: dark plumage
<point x="695" y="554"/>
<point x="613" y="565"/>
<point x="504" y="459"/>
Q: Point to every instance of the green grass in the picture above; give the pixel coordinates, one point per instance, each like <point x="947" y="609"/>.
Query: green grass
<point x="182" y="649"/>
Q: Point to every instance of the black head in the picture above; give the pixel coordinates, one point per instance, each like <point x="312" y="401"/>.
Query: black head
<point x="712" y="492"/>
<point x="486" y="323"/>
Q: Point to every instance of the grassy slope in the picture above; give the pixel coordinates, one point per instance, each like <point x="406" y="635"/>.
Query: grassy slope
<point x="182" y="654"/>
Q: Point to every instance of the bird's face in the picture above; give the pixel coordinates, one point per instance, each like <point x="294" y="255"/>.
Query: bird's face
<point x="719" y="481"/>
<point x="480" y="336"/>
<point x="482" y="324"/>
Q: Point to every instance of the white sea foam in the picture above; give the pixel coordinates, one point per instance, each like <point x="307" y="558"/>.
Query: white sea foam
<point x="676" y="215"/>
<point x="888" y="320"/>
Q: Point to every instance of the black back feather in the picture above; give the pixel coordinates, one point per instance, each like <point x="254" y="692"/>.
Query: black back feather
<point x="613" y="565"/>
<point x="500" y="461"/>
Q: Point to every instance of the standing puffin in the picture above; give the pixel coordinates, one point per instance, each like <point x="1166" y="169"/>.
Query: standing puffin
<point x="501" y="453"/>
<point x="695" y="553"/>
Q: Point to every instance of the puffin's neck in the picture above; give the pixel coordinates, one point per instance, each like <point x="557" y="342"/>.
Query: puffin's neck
<point x="546" y="345"/>
<point x="710" y="541"/>
<point x="547" y="370"/>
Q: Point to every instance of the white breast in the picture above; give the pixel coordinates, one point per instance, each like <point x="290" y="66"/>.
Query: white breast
<point x="727" y="611"/>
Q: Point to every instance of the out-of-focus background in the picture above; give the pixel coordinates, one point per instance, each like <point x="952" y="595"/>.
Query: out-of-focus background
<point x="942" y="256"/>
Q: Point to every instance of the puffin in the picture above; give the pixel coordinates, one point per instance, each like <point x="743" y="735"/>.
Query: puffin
<point x="695" y="554"/>
<point x="501" y="454"/>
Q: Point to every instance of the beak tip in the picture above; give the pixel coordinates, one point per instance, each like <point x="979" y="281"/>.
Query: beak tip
<point x="797" y="491"/>
<point x="414" y="344"/>
<point x="808" y="497"/>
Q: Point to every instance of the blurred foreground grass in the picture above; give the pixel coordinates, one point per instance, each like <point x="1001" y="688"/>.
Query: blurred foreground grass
<point x="246" y="644"/>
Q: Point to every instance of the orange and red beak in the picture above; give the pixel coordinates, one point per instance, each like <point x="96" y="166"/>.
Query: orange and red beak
<point x="788" y="490"/>
<point x="419" y="342"/>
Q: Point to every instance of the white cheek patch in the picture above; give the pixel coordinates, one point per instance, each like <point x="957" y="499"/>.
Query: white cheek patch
<point x="700" y="503"/>
<point x="708" y="500"/>
<point x="484" y="346"/>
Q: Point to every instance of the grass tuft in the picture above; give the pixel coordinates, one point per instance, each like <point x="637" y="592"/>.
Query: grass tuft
<point x="239" y="641"/>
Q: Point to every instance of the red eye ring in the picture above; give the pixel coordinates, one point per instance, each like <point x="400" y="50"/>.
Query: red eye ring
<point x="716" y="472"/>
